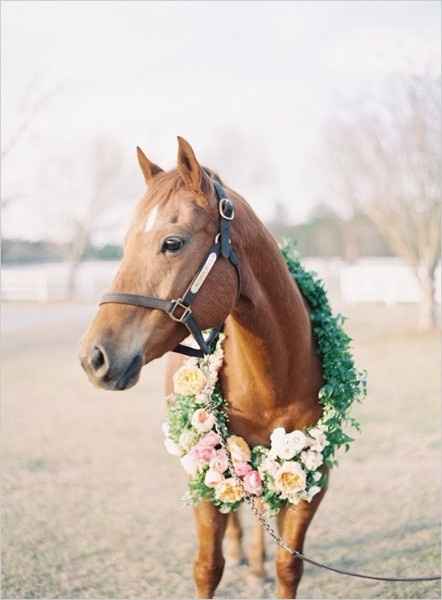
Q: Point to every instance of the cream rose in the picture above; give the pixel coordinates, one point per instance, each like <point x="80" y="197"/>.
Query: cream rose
<point x="318" y="440"/>
<point x="290" y="479"/>
<point x="189" y="381"/>
<point x="311" y="459"/>
<point x="287" y="445"/>
<point x="187" y="440"/>
<point x="270" y="466"/>
<point x="239" y="449"/>
<point x="229" y="491"/>
<point x="202" y="420"/>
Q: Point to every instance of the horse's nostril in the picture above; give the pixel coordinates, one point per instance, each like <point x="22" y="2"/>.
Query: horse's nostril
<point x="97" y="358"/>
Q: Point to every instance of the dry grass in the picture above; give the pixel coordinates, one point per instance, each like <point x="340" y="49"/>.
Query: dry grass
<point x="92" y="501"/>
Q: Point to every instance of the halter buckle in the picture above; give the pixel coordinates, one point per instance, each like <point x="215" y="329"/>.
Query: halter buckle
<point x="178" y="304"/>
<point x="226" y="205"/>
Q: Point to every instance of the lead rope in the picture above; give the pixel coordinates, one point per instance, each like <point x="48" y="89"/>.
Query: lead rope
<point x="251" y="501"/>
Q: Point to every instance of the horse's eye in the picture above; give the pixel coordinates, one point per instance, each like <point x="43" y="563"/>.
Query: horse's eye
<point x="172" y="244"/>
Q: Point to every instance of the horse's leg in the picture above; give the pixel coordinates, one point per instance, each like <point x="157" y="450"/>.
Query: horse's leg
<point x="293" y="522"/>
<point x="234" y="551"/>
<point x="209" y="562"/>
<point x="257" y="551"/>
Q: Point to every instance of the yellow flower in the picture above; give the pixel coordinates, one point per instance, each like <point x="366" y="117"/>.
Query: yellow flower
<point x="189" y="381"/>
<point x="239" y="449"/>
<point x="228" y="491"/>
<point x="289" y="479"/>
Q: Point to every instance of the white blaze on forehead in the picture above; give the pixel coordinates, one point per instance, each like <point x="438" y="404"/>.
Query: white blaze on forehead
<point x="151" y="219"/>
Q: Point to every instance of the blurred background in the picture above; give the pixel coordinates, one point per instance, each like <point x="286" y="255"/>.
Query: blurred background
<point x="326" y="117"/>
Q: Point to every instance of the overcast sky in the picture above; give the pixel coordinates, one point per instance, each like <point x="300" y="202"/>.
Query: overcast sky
<point x="144" y="72"/>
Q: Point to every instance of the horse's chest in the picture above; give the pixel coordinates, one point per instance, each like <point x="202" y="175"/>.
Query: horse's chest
<point x="255" y="415"/>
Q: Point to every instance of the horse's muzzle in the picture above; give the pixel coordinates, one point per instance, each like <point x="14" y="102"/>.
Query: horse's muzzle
<point x="111" y="372"/>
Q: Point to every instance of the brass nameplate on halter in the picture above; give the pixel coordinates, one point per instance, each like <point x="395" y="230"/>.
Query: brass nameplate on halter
<point x="202" y="275"/>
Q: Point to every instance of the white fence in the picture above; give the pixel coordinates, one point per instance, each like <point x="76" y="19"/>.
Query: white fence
<point x="386" y="280"/>
<point x="48" y="281"/>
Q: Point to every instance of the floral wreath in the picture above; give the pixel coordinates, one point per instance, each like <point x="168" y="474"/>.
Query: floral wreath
<point x="290" y="470"/>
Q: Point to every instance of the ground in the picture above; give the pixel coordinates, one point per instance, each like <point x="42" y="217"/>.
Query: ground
<point x="92" y="501"/>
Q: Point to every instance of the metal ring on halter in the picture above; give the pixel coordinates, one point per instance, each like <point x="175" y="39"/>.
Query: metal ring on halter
<point x="224" y="204"/>
<point x="179" y="304"/>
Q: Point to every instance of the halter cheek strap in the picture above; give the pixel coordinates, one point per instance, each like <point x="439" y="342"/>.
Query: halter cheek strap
<point x="180" y="309"/>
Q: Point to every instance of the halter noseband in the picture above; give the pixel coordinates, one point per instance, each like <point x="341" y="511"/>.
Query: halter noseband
<point x="180" y="310"/>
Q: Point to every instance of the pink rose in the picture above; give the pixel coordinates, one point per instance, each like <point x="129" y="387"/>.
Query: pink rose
<point x="252" y="483"/>
<point x="213" y="478"/>
<point x="210" y="440"/>
<point x="219" y="462"/>
<point x="190" y="464"/>
<point x="203" y="453"/>
<point x="242" y="468"/>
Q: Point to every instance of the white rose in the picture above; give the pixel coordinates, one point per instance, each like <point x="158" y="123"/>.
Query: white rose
<point x="187" y="439"/>
<point x="190" y="464"/>
<point x="171" y="447"/>
<point x="269" y="465"/>
<point x="165" y="429"/>
<point x="298" y="440"/>
<point x="319" y="439"/>
<point x="311" y="459"/>
<point x="290" y="479"/>
<point x="202" y="420"/>
<point x="288" y="445"/>
<point x="278" y="434"/>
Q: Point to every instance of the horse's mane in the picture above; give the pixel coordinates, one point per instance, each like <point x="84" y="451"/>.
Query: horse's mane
<point x="167" y="183"/>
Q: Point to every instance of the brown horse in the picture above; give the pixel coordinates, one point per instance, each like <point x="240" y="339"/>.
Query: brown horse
<point x="271" y="374"/>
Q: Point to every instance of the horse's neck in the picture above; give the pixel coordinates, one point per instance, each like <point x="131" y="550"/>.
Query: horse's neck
<point x="272" y="374"/>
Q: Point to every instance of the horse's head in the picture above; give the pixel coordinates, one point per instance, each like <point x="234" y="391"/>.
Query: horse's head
<point x="173" y="229"/>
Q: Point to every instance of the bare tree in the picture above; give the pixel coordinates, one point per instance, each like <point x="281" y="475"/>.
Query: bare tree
<point x="386" y="157"/>
<point x="106" y="169"/>
<point x="33" y="101"/>
<point x="244" y="163"/>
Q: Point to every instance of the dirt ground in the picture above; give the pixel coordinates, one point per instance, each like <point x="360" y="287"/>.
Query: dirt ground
<point x="92" y="501"/>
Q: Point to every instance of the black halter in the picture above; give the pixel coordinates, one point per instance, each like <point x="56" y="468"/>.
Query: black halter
<point x="180" y="310"/>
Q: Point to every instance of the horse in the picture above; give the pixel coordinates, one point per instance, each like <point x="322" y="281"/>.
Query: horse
<point x="271" y="373"/>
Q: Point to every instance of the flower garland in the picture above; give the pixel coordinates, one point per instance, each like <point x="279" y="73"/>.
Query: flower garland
<point x="290" y="470"/>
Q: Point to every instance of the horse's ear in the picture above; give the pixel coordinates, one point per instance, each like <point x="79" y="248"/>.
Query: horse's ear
<point x="149" y="168"/>
<point x="188" y="166"/>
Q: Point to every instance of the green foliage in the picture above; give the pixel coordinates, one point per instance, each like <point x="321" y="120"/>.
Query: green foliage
<point x="273" y="500"/>
<point x="343" y="382"/>
<point x="218" y="407"/>
<point x="180" y="414"/>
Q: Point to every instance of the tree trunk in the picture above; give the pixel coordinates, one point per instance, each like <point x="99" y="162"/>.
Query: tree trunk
<point x="71" y="284"/>
<point x="429" y="309"/>
<point x="77" y="250"/>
